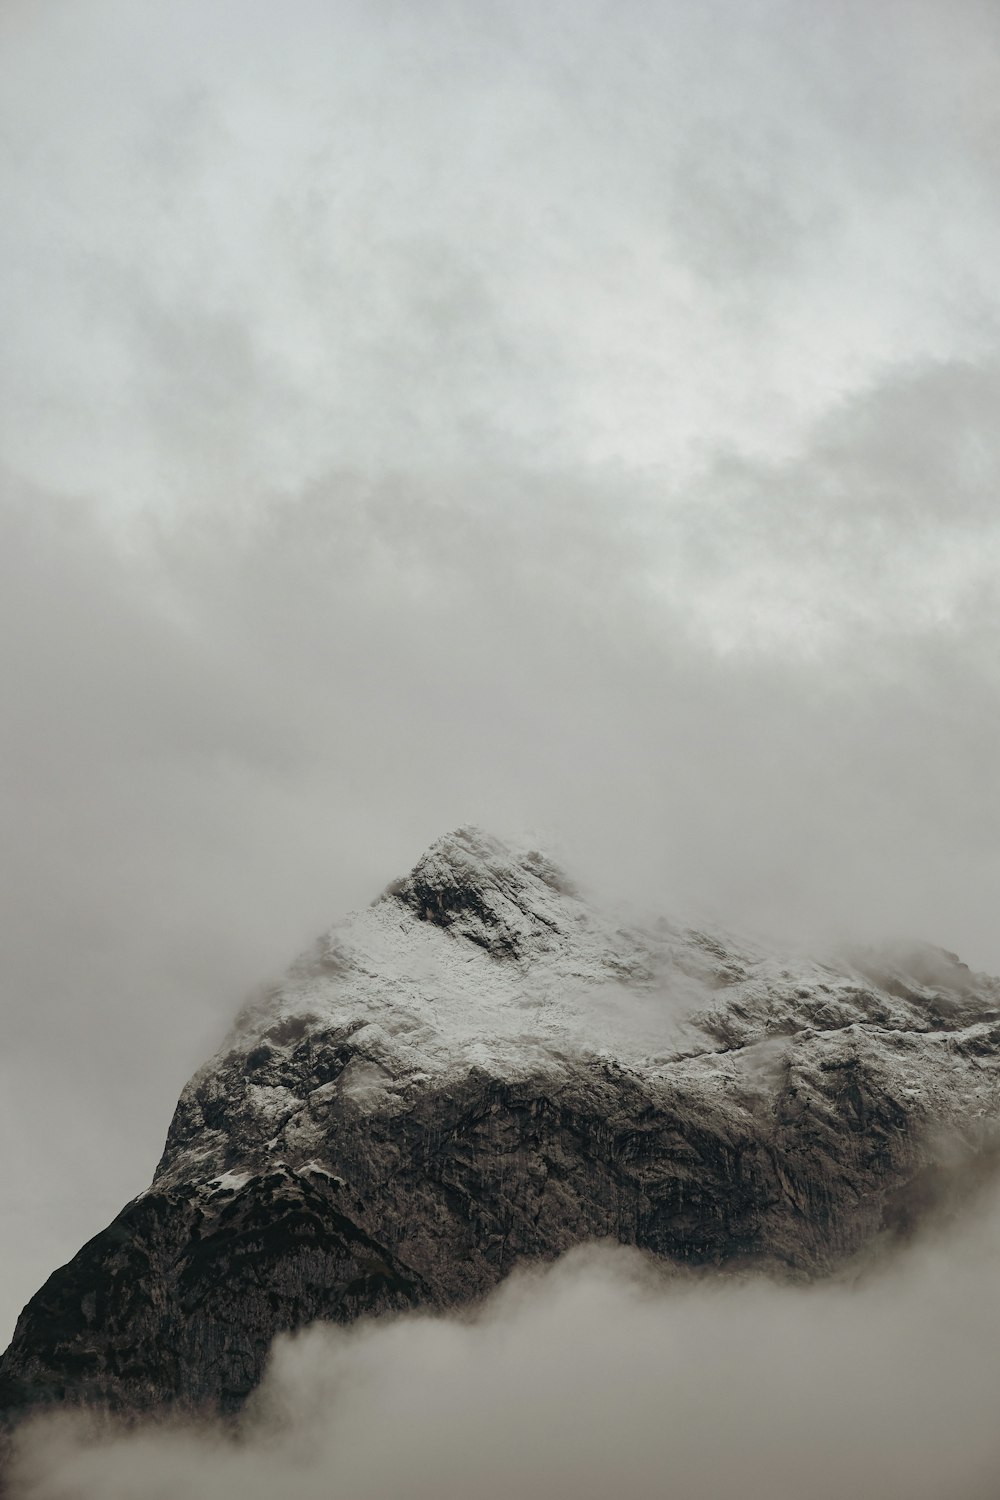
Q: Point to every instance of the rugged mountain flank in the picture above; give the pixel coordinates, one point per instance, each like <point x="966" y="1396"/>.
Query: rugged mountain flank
<point x="481" y="1068"/>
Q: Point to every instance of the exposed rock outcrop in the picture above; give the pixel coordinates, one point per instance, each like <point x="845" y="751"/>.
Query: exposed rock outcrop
<point x="480" y="1069"/>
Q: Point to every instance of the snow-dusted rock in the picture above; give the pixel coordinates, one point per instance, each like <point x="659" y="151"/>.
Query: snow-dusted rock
<point x="482" y="1068"/>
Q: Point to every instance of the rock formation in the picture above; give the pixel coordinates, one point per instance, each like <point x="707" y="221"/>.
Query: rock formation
<point x="480" y="1069"/>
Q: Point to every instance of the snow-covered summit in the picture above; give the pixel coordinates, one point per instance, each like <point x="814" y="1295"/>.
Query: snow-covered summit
<point x="484" y="1067"/>
<point x="483" y="890"/>
<point x="486" y="958"/>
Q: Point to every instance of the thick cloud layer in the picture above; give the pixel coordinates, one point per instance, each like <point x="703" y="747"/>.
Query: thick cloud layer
<point x="579" y="418"/>
<point x="601" y="1376"/>
<point x="248" y="245"/>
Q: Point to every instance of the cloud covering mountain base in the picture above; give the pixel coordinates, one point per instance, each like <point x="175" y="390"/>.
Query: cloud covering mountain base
<point x="601" y="1374"/>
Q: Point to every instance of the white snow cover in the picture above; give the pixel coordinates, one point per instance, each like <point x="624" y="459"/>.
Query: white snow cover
<point x="426" y="998"/>
<point x="430" y="998"/>
<point x="485" y="957"/>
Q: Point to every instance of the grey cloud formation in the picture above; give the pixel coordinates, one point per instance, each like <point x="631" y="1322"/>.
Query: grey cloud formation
<point x="247" y="247"/>
<point x="225" y="739"/>
<point x="567" y="417"/>
<point x="602" y="1375"/>
<point x="885" y="523"/>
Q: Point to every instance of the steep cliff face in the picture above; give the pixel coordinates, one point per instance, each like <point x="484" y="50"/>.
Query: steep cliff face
<point x="481" y="1068"/>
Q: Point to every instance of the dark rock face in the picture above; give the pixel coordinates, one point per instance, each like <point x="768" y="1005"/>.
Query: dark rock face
<point x="481" y="1070"/>
<point x="163" y="1307"/>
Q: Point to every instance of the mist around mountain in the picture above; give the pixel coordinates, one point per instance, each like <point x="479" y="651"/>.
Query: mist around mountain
<point x="551" y="1196"/>
<point x="576" y="416"/>
<point x="599" y="1374"/>
<point x="573" y="416"/>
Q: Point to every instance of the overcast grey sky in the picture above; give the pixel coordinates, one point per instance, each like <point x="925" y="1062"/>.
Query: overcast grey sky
<point x="578" y="417"/>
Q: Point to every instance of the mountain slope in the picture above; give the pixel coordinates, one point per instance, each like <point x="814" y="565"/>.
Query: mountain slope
<point x="481" y="1068"/>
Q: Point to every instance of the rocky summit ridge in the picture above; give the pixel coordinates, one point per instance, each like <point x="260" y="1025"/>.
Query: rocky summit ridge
<point x="482" y="1068"/>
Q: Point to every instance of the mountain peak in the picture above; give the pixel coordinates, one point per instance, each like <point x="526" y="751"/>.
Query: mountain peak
<point x="480" y="1069"/>
<point x="486" y="891"/>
